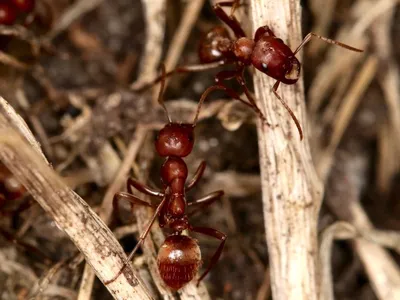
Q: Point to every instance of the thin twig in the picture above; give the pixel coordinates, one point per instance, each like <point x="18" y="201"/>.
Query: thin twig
<point x="76" y="11"/>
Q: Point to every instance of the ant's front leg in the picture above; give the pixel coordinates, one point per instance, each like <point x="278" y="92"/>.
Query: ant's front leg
<point x="197" y="176"/>
<point x="141" y="187"/>
<point x="231" y="20"/>
<point x="294" y="118"/>
<point x="127" y="197"/>
<point x="216" y="234"/>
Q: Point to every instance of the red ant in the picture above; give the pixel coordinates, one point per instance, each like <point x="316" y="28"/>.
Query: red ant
<point x="265" y="52"/>
<point x="179" y="258"/>
<point x="10" y="10"/>
<point x="11" y="190"/>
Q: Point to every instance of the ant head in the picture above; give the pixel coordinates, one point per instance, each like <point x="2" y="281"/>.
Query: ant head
<point x="274" y="58"/>
<point x="175" y="140"/>
<point x="8" y="14"/>
<point x="178" y="260"/>
<point x="215" y="45"/>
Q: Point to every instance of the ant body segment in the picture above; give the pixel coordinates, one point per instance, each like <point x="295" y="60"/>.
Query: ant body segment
<point x="266" y="52"/>
<point x="179" y="258"/>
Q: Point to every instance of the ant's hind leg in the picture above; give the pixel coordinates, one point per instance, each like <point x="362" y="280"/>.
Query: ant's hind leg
<point x="141" y="187"/>
<point x="215" y="234"/>
<point x="197" y="176"/>
<point x="142" y="236"/>
<point x="294" y="118"/>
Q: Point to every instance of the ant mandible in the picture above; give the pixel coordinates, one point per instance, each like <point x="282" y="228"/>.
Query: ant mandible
<point x="179" y="257"/>
<point x="266" y="52"/>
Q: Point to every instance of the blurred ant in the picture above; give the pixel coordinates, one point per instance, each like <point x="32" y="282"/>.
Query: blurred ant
<point x="179" y="258"/>
<point x="10" y="191"/>
<point x="265" y="52"/>
<point x="10" y="10"/>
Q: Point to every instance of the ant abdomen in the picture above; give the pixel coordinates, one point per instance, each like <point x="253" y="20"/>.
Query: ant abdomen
<point x="179" y="260"/>
<point x="272" y="57"/>
<point x="215" y="45"/>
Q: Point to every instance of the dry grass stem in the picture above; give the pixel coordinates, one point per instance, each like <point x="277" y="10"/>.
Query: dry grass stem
<point x="346" y="111"/>
<point x="90" y="235"/>
<point x="181" y="35"/>
<point x="154" y="12"/>
<point x="292" y="191"/>
<point x="76" y="11"/>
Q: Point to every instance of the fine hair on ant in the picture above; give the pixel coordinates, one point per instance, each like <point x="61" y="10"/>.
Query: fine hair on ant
<point x="179" y="257"/>
<point x="266" y="52"/>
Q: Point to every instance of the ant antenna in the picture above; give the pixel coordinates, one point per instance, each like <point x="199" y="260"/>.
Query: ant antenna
<point x="162" y="90"/>
<point x="202" y="98"/>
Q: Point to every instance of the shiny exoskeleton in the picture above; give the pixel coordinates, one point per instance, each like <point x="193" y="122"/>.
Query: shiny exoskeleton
<point x="179" y="257"/>
<point x="266" y="52"/>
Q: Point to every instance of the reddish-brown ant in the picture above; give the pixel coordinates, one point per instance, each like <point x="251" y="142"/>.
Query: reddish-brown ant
<point x="11" y="190"/>
<point x="179" y="257"/>
<point x="11" y="9"/>
<point x="265" y="52"/>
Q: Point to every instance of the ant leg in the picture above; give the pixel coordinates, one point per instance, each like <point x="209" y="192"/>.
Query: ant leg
<point x="231" y="20"/>
<point x="197" y="176"/>
<point x="141" y="187"/>
<point x="216" y="234"/>
<point x="330" y="41"/>
<point x="294" y="118"/>
<point x="141" y="240"/>
<point x="182" y="69"/>
<point x="128" y="197"/>
<point x="253" y="104"/>
<point x="218" y="86"/>
<point x="205" y="201"/>
<point x="233" y="4"/>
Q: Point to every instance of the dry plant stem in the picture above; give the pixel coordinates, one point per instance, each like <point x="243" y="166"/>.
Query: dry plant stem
<point x="86" y="287"/>
<point x="154" y="13"/>
<point x="345" y="112"/>
<point x="343" y="197"/>
<point x="91" y="236"/>
<point x="292" y="191"/>
<point x="106" y="206"/>
<point x="181" y="35"/>
<point x="337" y="230"/>
<point x="76" y="11"/>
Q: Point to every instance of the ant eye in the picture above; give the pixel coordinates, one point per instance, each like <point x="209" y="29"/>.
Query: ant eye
<point x="264" y="66"/>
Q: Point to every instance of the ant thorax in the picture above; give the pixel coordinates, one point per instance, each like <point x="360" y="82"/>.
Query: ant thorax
<point x="243" y="50"/>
